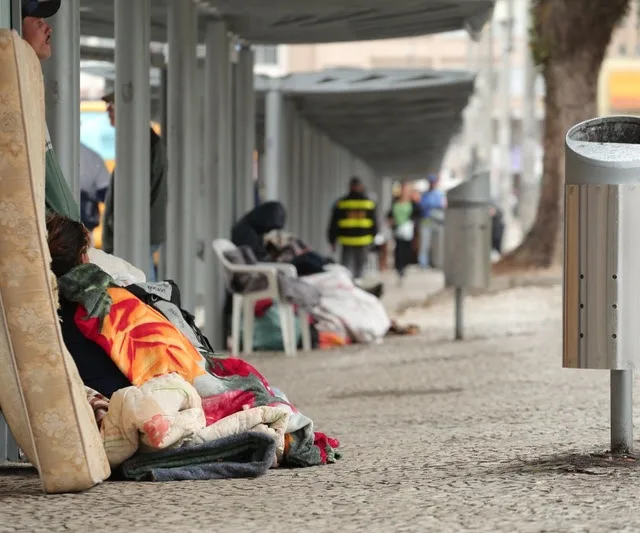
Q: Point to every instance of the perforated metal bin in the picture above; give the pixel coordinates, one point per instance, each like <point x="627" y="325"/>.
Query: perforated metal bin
<point x="602" y="244"/>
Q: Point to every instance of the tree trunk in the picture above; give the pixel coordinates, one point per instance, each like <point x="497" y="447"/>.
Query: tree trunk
<point x="570" y="38"/>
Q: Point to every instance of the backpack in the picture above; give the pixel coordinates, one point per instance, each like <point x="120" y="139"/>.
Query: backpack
<point x="164" y="297"/>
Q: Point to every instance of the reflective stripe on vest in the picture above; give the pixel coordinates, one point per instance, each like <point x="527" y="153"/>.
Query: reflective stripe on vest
<point x="356" y="204"/>
<point x="365" y="240"/>
<point x="355" y="223"/>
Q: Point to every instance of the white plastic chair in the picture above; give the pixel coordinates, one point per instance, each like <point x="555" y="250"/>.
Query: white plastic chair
<point x="244" y="304"/>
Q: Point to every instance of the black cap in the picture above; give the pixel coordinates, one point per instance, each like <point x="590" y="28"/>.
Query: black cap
<point x="355" y="182"/>
<point x="40" y="9"/>
<point x="110" y="98"/>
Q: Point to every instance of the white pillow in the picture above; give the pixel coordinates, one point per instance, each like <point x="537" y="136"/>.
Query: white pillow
<point x="121" y="271"/>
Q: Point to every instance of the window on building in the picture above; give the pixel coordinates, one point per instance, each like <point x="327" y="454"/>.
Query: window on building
<point x="266" y="54"/>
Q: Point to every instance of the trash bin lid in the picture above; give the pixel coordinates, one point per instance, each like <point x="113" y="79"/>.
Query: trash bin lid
<point x="604" y="151"/>
<point x="475" y="191"/>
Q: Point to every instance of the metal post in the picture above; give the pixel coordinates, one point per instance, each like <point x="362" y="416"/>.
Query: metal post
<point x="245" y="125"/>
<point x="286" y="194"/>
<point x="504" y="133"/>
<point x="180" y="248"/>
<point x="15" y="16"/>
<point x="471" y="113"/>
<point x="164" y="125"/>
<point x="488" y="73"/>
<point x="529" y="193"/>
<point x="311" y="202"/>
<point x="217" y="164"/>
<point x="621" y="411"/>
<point x="459" y="313"/>
<point x="305" y="177"/>
<point x="5" y="22"/>
<point x="133" y="111"/>
<point x="295" y="172"/>
<point x="62" y="91"/>
<point x="273" y="143"/>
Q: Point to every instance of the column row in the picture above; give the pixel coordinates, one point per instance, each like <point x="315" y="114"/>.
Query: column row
<point x="305" y="170"/>
<point x="208" y="129"/>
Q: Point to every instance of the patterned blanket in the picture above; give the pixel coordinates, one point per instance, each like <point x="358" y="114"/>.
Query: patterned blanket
<point x="144" y="344"/>
<point x="166" y="413"/>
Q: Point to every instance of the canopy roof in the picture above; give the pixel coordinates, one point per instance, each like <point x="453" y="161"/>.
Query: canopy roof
<point x="310" y="21"/>
<point x="399" y="121"/>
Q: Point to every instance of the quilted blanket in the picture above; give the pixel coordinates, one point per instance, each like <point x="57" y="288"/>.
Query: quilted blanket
<point x="166" y="413"/>
<point x="128" y="330"/>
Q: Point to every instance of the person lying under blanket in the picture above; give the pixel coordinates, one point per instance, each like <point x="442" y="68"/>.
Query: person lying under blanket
<point x="117" y="340"/>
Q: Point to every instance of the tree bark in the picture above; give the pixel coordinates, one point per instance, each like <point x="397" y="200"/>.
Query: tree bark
<point x="569" y="41"/>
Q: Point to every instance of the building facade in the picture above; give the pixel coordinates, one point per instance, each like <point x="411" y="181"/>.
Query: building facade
<point x="619" y="80"/>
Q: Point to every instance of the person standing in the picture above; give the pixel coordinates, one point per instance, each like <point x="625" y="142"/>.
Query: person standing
<point x="432" y="199"/>
<point x="159" y="193"/>
<point x="403" y="218"/>
<point x="353" y="225"/>
<point x="37" y="32"/>
<point x="94" y="184"/>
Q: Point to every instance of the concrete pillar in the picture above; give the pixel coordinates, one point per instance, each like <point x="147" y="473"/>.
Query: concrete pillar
<point x="296" y="206"/>
<point x="218" y="163"/>
<point x="386" y="195"/>
<point x="261" y="175"/>
<point x="305" y="180"/>
<point x="133" y="112"/>
<point x="62" y="91"/>
<point x="6" y="23"/>
<point x="529" y="194"/>
<point x="274" y="144"/>
<point x="180" y="248"/>
<point x="313" y="199"/>
<point x="245" y="130"/>
<point x="164" y="125"/>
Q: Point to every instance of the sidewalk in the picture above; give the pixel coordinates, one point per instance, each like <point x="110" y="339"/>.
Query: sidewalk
<point x="437" y="437"/>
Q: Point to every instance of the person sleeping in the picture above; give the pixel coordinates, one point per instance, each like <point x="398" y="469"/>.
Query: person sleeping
<point x="69" y="243"/>
<point x="118" y="340"/>
<point x="138" y="341"/>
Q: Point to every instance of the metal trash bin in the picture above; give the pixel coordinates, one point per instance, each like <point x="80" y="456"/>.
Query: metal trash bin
<point x="467" y="239"/>
<point x="467" y="234"/>
<point x="601" y="314"/>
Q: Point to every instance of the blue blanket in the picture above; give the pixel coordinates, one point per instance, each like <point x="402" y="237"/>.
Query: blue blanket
<point x="245" y="455"/>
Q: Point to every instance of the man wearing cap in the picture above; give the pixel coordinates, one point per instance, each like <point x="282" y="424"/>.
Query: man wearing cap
<point x="354" y="226"/>
<point x="158" y="177"/>
<point x="432" y="199"/>
<point x="37" y="33"/>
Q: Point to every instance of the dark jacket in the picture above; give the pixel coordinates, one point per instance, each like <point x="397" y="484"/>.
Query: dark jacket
<point x="353" y="221"/>
<point x="251" y="229"/>
<point x="158" y="208"/>
<point x="97" y="370"/>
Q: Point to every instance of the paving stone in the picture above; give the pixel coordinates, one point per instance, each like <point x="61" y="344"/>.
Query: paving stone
<point x="437" y="436"/>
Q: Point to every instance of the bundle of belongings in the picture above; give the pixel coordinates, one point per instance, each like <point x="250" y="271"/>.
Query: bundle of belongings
<point x="341" y="312"/>
<point x="167" y="406"/>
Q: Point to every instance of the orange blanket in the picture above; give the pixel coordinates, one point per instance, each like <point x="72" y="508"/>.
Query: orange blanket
<point x="142" y="342"/>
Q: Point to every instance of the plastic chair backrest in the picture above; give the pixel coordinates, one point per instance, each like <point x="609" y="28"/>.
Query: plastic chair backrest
<point x="220" y="247"/>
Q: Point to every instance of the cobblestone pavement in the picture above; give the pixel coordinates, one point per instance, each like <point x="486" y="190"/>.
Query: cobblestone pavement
<point x="437" y="436"/>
